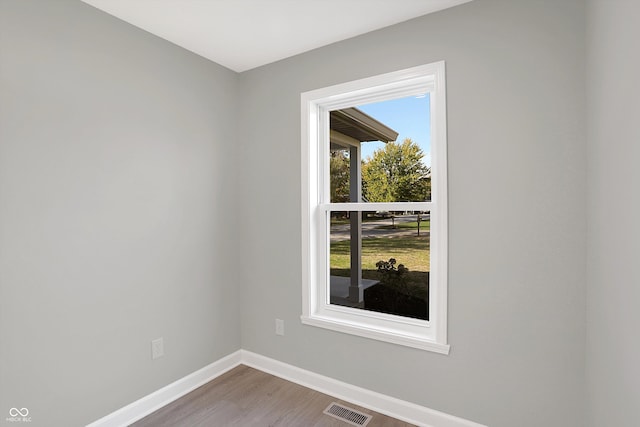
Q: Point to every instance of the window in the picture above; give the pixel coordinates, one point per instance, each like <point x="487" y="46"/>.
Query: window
<point x="374" y="238"/>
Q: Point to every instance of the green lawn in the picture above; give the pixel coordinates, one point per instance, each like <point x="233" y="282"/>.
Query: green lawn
<point x="413" y="252"/>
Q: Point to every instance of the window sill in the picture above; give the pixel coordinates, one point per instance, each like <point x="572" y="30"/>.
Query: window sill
<point x="367" y="331"/>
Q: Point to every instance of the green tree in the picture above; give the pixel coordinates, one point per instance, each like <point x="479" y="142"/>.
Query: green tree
<point x="396" y="173"/>
<point x="339" y="176"/>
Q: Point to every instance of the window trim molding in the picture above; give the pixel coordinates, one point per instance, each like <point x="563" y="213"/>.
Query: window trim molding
<point x="428" y="335"/>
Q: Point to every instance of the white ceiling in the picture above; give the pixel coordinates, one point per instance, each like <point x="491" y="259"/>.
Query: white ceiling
<point x="244" y="34"/>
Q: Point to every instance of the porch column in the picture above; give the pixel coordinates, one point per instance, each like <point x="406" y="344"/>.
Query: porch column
<point x="355" y="195"/>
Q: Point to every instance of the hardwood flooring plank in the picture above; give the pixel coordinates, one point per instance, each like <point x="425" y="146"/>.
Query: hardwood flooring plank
<point x="247" y="397"/>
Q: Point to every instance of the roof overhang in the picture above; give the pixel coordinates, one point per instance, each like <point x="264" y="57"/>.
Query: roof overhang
<point x="357" y="126"/>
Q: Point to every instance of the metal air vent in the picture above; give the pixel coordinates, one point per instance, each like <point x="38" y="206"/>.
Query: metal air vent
<point x="347" y="415"/>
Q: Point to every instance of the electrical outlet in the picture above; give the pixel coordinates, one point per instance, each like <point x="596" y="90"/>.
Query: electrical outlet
<point x="157" y="348"/>
<point x="279" y="327"/>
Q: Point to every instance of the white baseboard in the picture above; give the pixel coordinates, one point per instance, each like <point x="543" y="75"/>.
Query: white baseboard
<point x="156" y="400"/>
<point x="396" y="408"/>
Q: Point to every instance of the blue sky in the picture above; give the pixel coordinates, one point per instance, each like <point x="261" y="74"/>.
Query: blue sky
<point x="407" y="116"/>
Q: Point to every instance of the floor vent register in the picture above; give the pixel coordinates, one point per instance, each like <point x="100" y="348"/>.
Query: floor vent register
<point x="347" y="415"/>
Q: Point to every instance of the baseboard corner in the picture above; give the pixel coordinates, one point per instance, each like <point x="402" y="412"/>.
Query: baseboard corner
<point x="387" y="405"/>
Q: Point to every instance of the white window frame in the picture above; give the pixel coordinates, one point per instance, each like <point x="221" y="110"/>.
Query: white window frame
<point x="316" y="208"/>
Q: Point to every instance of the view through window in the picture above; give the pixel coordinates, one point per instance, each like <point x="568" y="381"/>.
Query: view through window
<point x="379" y="259"/>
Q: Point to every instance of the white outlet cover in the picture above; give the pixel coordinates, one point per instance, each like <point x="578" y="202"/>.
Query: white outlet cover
<point x="279" y="327"/>
<point x="157" y="348"/>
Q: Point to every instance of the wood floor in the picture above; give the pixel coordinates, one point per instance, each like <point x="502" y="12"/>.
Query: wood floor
<point x="246" y="397"/>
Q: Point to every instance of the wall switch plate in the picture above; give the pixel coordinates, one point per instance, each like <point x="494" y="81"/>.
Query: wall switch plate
<point x="279" y="327"/>
<point x="157" y="348"/>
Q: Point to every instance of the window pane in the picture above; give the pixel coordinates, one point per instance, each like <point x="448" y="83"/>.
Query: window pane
<point x="381" y="262"/>
<point x="387" y="145"/>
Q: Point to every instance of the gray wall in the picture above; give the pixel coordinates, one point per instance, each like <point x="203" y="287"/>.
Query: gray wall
<point x="116" y="212"/>
<point x="517" y="170"/>
<point x="122" y="173"/>
<point x="613" y="347"/>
